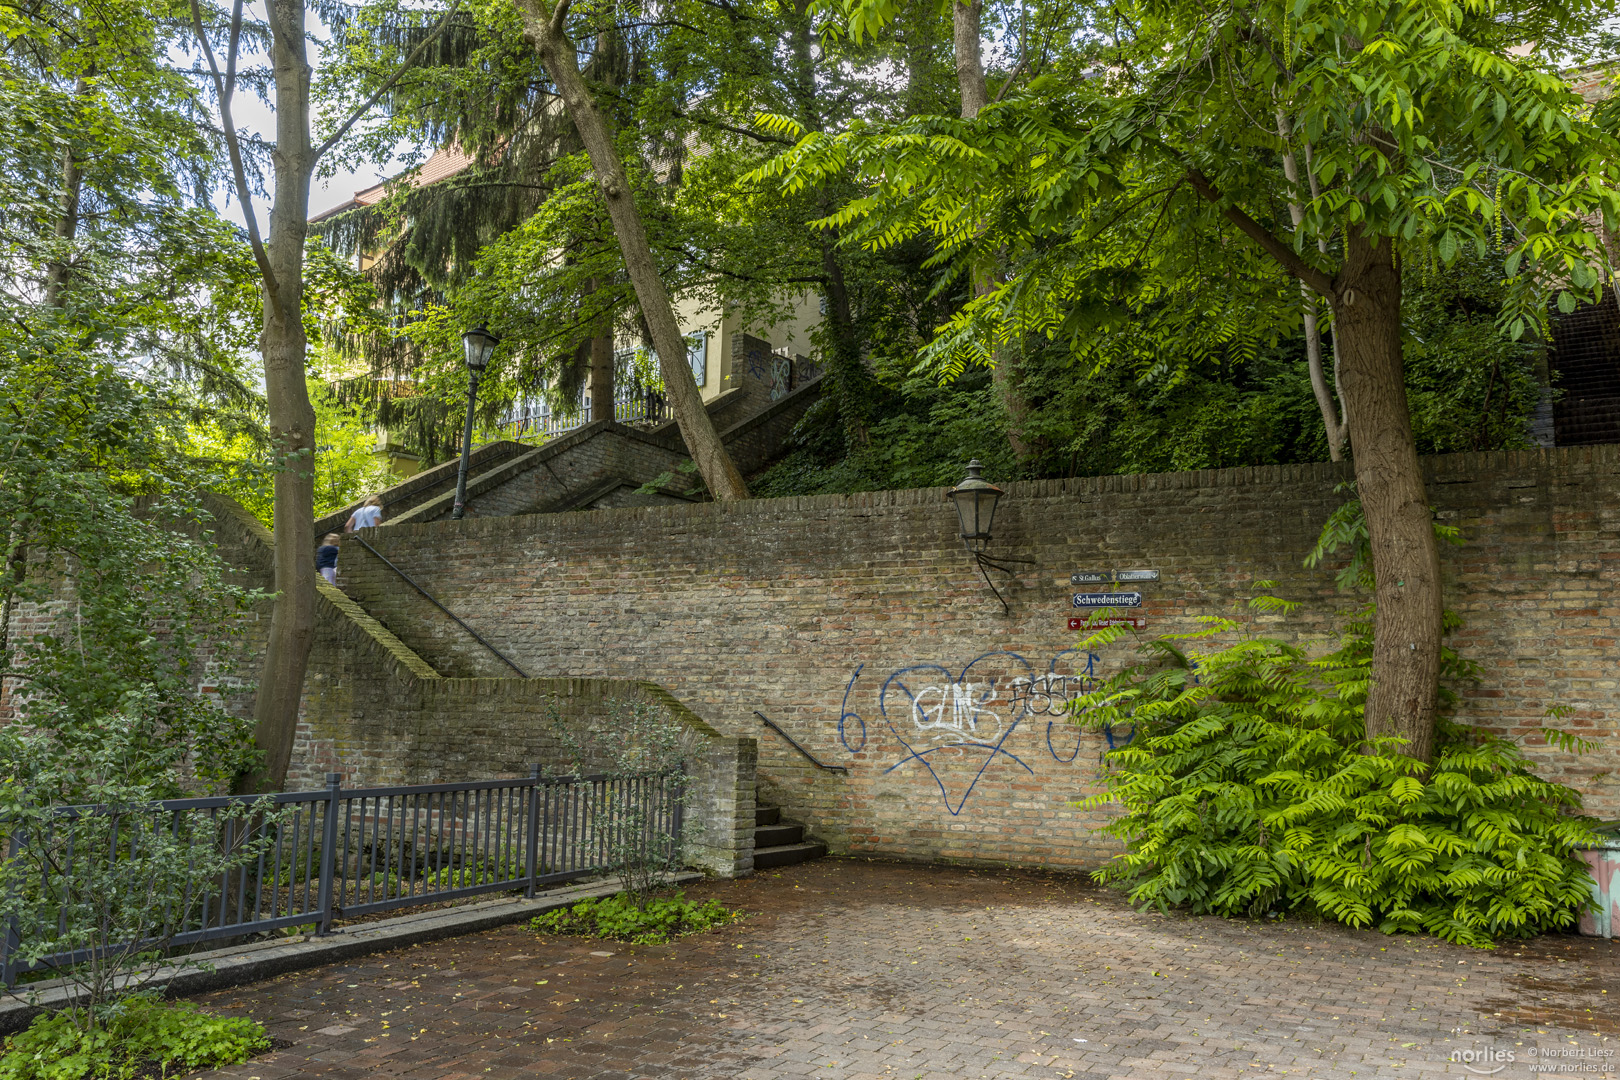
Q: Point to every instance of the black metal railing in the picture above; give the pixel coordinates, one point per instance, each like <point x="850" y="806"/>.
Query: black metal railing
<point x="317" y="856"/>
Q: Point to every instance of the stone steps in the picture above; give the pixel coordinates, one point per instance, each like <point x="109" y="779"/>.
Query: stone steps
<point x="781" y="843"/>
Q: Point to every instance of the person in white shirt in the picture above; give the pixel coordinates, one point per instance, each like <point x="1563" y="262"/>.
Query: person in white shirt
<point x="369" y="514"/>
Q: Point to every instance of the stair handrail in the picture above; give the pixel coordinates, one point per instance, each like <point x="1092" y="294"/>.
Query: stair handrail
<point x="430" y="599"/>
<point x="807" y="754"/>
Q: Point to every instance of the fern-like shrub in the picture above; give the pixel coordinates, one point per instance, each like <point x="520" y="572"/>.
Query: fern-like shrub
<point x="1249" y="789"/>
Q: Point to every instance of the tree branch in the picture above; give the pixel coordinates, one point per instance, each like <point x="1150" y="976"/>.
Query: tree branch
<point x="225" y="89"/>
<point x="408" y="63"/>
<point x="1284" y="255"/>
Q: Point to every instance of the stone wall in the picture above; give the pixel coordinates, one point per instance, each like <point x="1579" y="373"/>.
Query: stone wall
<point x="860" y="625"/>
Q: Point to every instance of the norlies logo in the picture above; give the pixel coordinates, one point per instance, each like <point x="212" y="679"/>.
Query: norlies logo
<point x="1483" y="1062"/>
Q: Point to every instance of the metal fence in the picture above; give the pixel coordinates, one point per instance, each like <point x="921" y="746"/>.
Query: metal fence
<point x="634" y="405"/>
<point x="312" y="857"/>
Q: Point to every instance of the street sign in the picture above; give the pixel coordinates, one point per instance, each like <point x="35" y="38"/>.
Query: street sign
<point x="1135" y="622"/>
<point x="1103" y="577"/>
<point x="1107" y="599"/>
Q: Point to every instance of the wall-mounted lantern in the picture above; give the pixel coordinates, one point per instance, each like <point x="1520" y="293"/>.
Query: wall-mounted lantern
<point x="976" y="500"/>
<point x="479" y="345"/>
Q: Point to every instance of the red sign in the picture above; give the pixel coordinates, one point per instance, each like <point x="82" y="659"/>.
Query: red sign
<point x="1134" y="622"/>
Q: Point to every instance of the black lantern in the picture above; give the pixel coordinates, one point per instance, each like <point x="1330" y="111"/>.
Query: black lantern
<point x="975" y="500"/>
<point x="479" y="345"/>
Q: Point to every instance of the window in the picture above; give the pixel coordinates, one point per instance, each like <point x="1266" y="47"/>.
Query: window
<point x="697" y="354"/>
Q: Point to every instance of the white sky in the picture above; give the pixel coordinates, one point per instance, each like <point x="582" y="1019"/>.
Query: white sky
<point x="253" y="115"/>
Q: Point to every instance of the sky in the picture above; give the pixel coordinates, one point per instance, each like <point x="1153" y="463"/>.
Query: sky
<point x="253" y="115"/>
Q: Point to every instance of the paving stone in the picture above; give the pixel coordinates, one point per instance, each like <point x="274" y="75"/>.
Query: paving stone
<point x="854" y="970"/>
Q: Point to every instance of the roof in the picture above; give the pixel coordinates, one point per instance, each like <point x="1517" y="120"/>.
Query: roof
<point x="445" y="162"/>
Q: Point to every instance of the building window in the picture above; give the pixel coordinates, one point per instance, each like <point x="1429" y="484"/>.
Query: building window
<point x="697" y="354"/>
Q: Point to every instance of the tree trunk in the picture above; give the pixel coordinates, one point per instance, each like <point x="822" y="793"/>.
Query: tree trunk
<point x="1406" y="564"/>
<point x="848" y="371"/>
<point x="969" y="62"/>
<point x="1332" y="425"/>
<point x="847" y="377"/>
<point x="975" y="96"/>
<point x="602" y="377"/>
<point x="292" y="419"/>
<point x="67" y="220"/>
<point x="561" y="60"/>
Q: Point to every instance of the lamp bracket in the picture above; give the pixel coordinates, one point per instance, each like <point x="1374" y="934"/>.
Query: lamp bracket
<point x="997" y="563"/>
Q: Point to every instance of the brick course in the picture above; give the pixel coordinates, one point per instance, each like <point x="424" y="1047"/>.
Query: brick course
<point x="860" y="625"/>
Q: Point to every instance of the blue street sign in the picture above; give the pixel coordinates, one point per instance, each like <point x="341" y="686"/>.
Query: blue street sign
<point x="1107" y="599"/>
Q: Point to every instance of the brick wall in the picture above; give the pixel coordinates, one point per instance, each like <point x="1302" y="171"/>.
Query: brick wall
<point x="860" y="625"/>
<point x="378" y="713"/>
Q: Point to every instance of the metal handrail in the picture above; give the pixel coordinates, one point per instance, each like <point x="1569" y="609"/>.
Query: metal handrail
<point x="441" y="607"/>
<point x="807" y="754"/>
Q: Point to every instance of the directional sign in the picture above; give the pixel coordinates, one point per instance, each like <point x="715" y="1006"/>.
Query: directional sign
<point x="1104" y="577"/>
<point x="1107" y="599"/>
<point x="1134" y="622"/>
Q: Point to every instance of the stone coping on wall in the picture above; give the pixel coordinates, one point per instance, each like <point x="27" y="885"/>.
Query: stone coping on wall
<point x="1438" y="469"/>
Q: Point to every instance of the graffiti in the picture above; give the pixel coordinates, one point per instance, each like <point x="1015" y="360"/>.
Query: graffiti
<point x="956" y="724"/>
<point x="845" y="715"/>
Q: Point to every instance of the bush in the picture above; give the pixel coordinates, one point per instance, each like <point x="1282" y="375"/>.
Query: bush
<point x="622" y="918"/>
<point x="1249" y="788"/>
<point x="138" y="1033"/>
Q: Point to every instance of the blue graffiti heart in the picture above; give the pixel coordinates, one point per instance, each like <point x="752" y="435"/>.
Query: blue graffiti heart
<point x="951" y="707"/>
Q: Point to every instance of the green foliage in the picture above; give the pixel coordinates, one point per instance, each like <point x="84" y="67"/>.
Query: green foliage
<point x="640" y="739"/>
<point x="639" y="921"/>
<point x="107" y="554"/>
<point x="1160" y="411"/>
<point x="1249" y="789"/>
<point x="137" y="1034"/>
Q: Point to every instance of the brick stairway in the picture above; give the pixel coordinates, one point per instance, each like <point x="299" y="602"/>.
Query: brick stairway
<point x="781" y="843"/>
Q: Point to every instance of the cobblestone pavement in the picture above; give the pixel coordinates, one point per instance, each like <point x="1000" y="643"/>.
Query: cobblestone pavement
<point x="852" y="969"/>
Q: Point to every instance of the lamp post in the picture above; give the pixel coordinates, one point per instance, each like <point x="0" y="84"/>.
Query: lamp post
<point x="976" y="500"/>
<point x="479" y="345"/>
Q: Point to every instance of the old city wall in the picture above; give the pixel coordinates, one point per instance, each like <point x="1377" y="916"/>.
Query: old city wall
<point x="860" y="625"/>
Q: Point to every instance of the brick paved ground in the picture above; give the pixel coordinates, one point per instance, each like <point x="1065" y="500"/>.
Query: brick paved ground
<point x="851" y="969"/>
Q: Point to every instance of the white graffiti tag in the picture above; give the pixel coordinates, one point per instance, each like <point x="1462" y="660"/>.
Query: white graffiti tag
<point x="957" y="707"/>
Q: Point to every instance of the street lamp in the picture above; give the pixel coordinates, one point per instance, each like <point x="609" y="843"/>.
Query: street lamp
<point x="976" y="500"/>
<point x="479" y="345"/>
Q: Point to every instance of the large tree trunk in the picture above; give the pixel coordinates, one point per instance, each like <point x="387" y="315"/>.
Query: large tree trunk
<point x="1406" y="563"/>
<point x="975" y="94"/>
<point x="969" y="60"/>
<point x="602" y="377"/>
<point x="292" y="419"/>
<point x="848" y="381"/>
<point x="561" y="59"/>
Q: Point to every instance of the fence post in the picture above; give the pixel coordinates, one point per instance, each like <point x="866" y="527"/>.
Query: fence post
<point x="532" y="838"/>
<point x="678" y="818"/>
<point x="334" y="782"/>
<point x="12" y="940"/>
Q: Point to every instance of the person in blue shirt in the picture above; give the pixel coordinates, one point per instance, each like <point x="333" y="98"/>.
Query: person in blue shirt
<point x="326" y="557"/>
